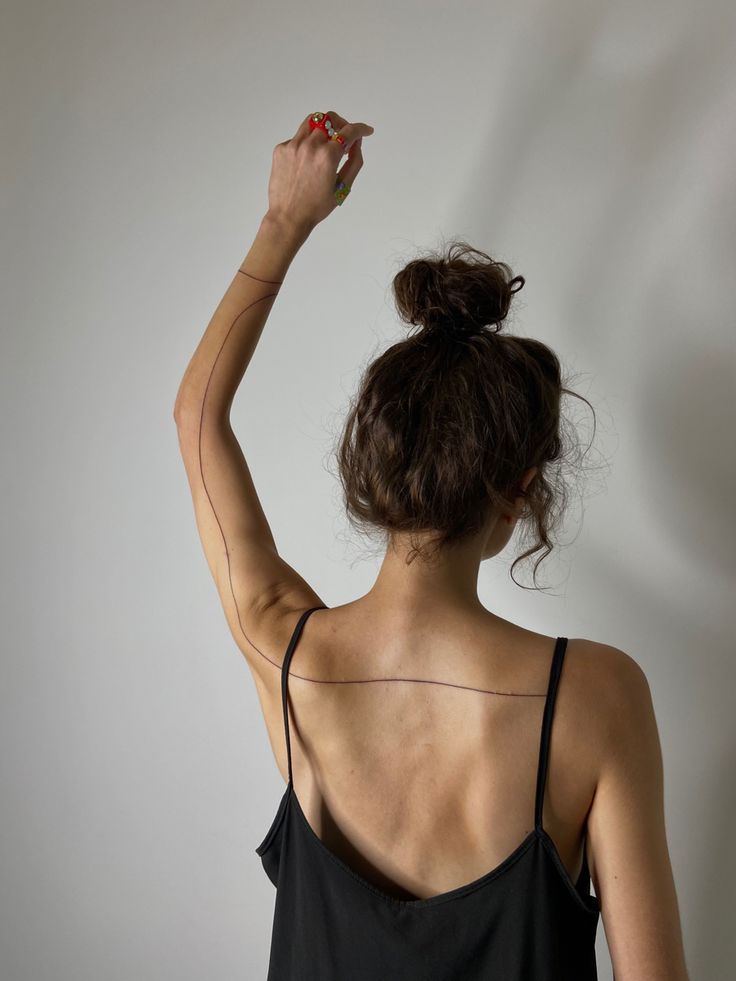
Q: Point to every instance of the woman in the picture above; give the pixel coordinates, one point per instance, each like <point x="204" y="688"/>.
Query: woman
<point x="435" y="824"/>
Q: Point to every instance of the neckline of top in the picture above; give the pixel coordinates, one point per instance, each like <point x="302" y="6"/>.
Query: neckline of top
<point x="418" y="903"/>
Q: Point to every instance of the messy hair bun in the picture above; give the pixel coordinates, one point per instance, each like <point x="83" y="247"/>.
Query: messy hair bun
<point x="446" y="421"/>
<point x="459" y="292"/>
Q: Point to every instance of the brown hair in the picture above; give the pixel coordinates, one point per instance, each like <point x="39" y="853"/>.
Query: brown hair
<point x="446" y="421"/>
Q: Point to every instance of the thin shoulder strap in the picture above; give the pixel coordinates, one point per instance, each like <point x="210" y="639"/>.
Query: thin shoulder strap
<point x="549" y="707"/>
<point x="285" y="676"/>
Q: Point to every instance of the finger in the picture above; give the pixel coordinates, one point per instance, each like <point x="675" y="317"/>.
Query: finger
<point x="352" y="132"/>
<point x="350" y="169"/>
<point x="318" y="134"/>
<point x="304" y="129"/>
<point x="349" y="131"/>
<point x="338" y="121"/>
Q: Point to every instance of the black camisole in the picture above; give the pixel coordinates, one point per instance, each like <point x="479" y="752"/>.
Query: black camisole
<point x="525" y="920"/>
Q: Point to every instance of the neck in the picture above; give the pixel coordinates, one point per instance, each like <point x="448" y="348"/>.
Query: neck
<point x="447" y="580"/>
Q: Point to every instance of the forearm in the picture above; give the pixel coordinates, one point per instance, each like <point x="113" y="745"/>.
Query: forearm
<point x="218" y="364"/>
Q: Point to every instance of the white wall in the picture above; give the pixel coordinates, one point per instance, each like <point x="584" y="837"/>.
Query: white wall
<point x="590" y="145"/>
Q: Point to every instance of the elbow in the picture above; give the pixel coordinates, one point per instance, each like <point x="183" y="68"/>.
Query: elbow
<point x="185" y="406"/>
<point x="189" y="413"/>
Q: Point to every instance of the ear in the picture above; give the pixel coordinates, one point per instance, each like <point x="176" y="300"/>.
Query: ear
<point x="526" y="479"/>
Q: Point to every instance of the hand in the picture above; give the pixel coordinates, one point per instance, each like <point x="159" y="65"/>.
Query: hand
<point x="302" y="182"/>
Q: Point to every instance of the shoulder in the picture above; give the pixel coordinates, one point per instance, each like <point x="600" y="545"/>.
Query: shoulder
<point x="609" y="667"/>
<point x="273" y="626"/>
<point x="612" y="689"/>
<point x="616" y="674"/>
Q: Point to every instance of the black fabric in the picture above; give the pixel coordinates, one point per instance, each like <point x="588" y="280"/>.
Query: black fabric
<point x="523" y="921"/>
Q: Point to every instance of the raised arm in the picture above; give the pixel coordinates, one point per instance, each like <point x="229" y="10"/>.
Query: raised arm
<point x="238" y="543"/>
<point x="239" y="546"/>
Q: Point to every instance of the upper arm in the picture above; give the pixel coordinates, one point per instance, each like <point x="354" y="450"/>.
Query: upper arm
<point x="630" y="863"/>
<point x="239" y="547"/>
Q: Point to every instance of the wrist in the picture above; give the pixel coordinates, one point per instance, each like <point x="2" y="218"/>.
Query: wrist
<point x="274" y="247"/>
<point x="286" y="228"/>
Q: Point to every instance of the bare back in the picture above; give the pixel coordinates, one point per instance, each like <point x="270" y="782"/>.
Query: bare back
<point x="415" y="746"/>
